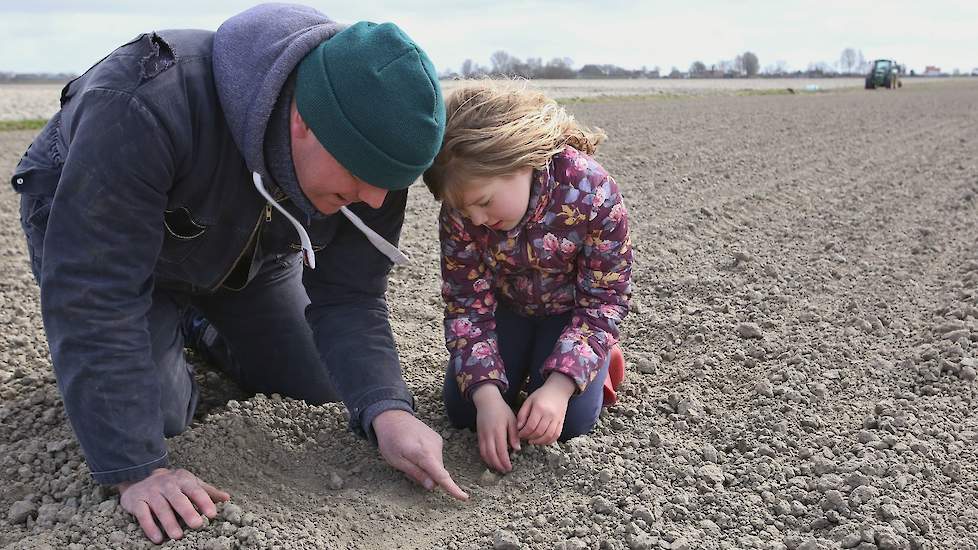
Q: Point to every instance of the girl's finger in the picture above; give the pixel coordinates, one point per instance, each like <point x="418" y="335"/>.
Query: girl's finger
<point x="524" y="412"/>
<point x="514" y="438"/>
<point x="483" y="452"/>
<point x="489" y="454"/>
<point x="531" y="426"/>
<point x="502" y="452"/>
<point x="555" y="430"/>
<point x="540" y="437"/>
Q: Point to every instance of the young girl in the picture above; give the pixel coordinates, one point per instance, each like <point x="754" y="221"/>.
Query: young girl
<point x="536" y="263"/>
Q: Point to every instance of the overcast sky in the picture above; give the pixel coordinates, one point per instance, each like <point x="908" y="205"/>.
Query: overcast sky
<point x="68" y="36"/>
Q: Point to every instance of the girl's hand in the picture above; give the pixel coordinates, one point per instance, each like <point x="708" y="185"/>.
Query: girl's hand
<point x="496" y="427"/>
<point x="541" y="418"/>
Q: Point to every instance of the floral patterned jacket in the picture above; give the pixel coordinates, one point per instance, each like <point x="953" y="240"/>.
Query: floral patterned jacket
<point x="571" y="251"/>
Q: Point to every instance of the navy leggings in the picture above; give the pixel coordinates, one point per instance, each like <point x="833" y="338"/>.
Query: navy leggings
<point x="524" y="344"/>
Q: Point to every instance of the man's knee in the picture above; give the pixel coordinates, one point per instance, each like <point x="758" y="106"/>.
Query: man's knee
<point x="174" y="424"/>
<point x="177" y="412"/>
<point x="178" y="395"/>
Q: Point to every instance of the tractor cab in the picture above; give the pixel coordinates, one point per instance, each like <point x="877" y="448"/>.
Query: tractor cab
<point x="884" y="74"/>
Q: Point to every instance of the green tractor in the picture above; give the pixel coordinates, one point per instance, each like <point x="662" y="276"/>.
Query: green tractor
<point x="884" y="74"/>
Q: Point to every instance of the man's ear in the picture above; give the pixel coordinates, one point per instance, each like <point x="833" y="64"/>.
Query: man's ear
<point x="297" y="126"/>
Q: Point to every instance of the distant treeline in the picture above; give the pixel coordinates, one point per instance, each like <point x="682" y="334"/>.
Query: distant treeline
<point x="14" y="78"/>
<point x="851" y="62"/>
<point x="746" y="65"/>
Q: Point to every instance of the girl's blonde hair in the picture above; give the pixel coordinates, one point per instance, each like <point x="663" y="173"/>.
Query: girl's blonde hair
<point x="496" y="128"/>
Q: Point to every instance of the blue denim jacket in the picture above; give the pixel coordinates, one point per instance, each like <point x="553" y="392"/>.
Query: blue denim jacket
<point x="137" y="183"/>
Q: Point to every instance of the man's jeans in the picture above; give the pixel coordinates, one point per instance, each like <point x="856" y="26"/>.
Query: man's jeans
<point x="524" y="344"/>
<point x="264" y="342"/>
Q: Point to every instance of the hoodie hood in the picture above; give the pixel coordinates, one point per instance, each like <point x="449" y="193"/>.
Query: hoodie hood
<point x="254" y="54"/>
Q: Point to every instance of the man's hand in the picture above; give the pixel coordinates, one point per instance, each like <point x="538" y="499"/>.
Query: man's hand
<point x="496" y="427"/>
<point x="541" y="418"/>
<point x="165" y="491"/>
<point x="409" y="445"/>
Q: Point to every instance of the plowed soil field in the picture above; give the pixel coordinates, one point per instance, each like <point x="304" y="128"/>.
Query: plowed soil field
<point x="802" y="360"/>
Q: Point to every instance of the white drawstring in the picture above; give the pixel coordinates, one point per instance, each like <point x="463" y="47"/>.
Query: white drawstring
<point x="309" y="255"/>
<point x="380" y="243"/>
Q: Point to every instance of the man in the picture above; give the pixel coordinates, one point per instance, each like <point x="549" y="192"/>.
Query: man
<point x="146" y="196"/>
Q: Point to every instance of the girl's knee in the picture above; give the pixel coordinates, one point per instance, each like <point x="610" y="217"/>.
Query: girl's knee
<point x="460" y="420"/>
<point x="580" y="425"/>
<point x="460" y="415"/>
<point x="583" y="411"/>
<point x="461" y="412"/>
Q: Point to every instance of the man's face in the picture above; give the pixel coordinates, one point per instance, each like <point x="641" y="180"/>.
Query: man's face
<point x="326" y="183"/>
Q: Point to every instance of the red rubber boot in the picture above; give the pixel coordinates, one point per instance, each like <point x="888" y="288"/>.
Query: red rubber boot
<point x="616" y="373"/>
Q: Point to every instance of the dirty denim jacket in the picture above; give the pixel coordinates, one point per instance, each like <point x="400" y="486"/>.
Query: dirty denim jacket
<point x="137" y="184"/>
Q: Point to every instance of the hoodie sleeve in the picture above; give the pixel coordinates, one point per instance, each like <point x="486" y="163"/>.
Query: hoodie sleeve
<point x="103" y="237"/>
<point x="470" y="306"/>
<point x="603" y="285"/>
<point x="350" y="320"/>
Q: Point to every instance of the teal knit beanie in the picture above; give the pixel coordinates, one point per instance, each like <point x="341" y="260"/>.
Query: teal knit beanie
<point x="371" y="97"/>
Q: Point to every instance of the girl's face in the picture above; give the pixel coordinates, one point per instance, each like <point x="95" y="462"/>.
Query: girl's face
<point x="498" y="202"/>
